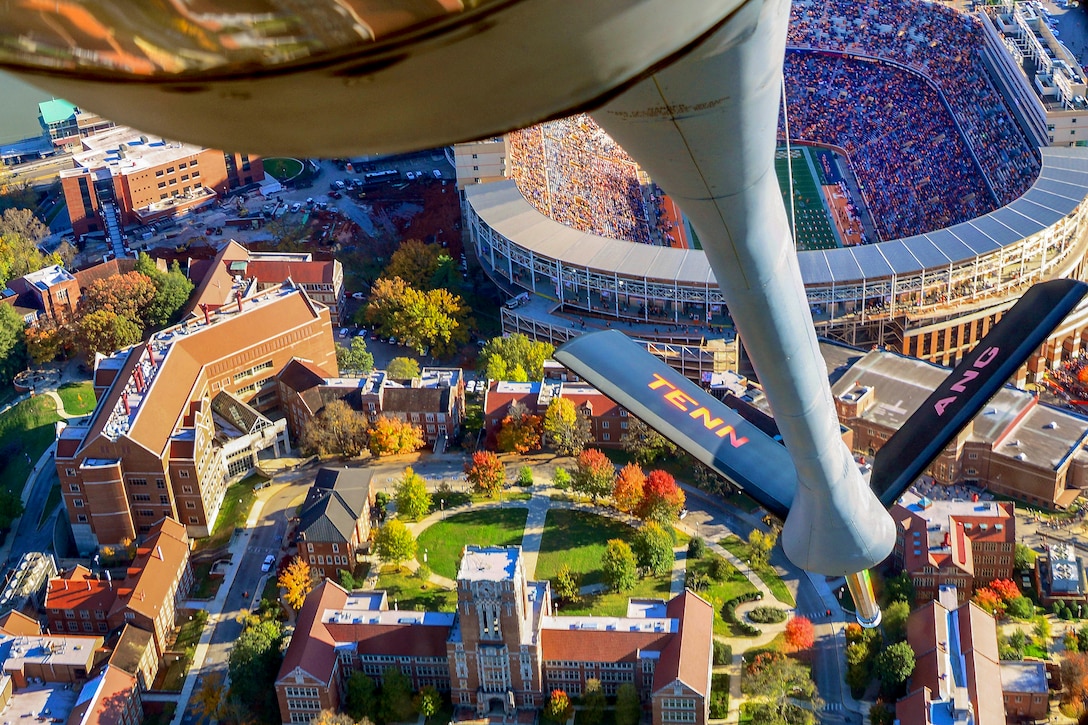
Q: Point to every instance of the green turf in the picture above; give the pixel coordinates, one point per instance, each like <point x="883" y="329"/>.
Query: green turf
<point x="719" y="592"/>
<point x="25" y="430"/>
<point x="767" y="573"/>
<point x="410" y="593"/>
<point x="814" y="227"/>
<point x="578" y="539"/>
<point x="444" y="541"/>
<point x="237" y="500"/>
<point x="78" y="398"/>
<point x="282" y="169"/>
<point x="52" y="500"/>
<point x="614" y="604"/>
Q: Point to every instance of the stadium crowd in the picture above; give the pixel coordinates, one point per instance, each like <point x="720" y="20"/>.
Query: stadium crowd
<point x="942" y="44"/>
<point x="910" y="149"/>
<point x="914" y="168"/>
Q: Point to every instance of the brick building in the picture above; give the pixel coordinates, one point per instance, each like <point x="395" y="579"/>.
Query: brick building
<point x="335" y="520"/>
<point x="1025" y="689"/>
<point x="607" y="420"/>
<point x="1059" y="576"/>
<point x="1017" y="446"/>
<point x="121" y="178"/>
<point x="965" y="544"/>
<point x="111" y="698"/>
<point x="503" y="650"/>
<point x="181" y="415"/>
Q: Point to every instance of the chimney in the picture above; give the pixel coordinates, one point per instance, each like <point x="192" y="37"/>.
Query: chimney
<point x="65" y="585"/>
<point x="204" y="309"/>
<point x="151" y="353"/>
<point x="88" y="585"/>
<point x="238" y="294"/>
<point x="109" y="579"/>
<point x="124" y="399"/>
<point x="138" y="377"/>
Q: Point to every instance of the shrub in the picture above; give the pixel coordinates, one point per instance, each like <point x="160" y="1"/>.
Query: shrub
<point x="720" y="569"/>
<point x="561" y="479"/>
<point x="525" y="476"/>
<point x="723" y="653"/>
<point x="696" y="548"/>
<point x="767" y="615"/>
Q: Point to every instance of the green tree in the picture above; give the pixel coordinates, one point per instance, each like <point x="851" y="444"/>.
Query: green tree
<point x="355" y="357"/>
<point x="899" y="588"/>
<point x="619" y="566"/>
<point x="644" y="443"/>
<point x="760" y="545"/>
<point x="11" y="508"/>
<point x="394" y="542"/>
<point x="361" y="700"/>
<point x="396" y="695"/>
<point x="561" y="479"/>
<point x="255" y="659"/>
<point x="1041" y="631"/>
<point x="525" y="476"/>
<point x="402" y="368"/>
<point x="20" y="255"/>
<point x="593" y="703"/>
<point x="501" y="356"/>
<point x="335" y="430"/>
<point x="428" y="701"/>
<point x="895" y="620"/>
<point x="696" y="548"/>
<point x="594" y="473"/>
<point x="413" y="498"/>
<point x="486" y="473"/>
<point x="104" y="332"/>
<point x="1024" y="557"/>
<point x="172" y="290"/>
<point x="893" y="665"/>
<point x="1020" y="607"/>
<point x="567" y="584"/>
<point x="558" y="708"/>
<point x="211" y="697"/>
<point x="779" y="681"/>
<point x="434" y="320"/>
<point x="628" y="706"/>
<point x="653" y="548"/>
<point x="879" y="714"/>
<point x="565" y="428"/>
<point x="13" y="349"/>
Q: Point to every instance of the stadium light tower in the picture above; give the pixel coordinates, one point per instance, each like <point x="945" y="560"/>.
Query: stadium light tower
<point x="690" y="88"/>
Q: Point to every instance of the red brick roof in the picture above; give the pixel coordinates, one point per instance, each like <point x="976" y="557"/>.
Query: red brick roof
<point x="688" y="656"/>
<point x="104" y="270"/>
<point x="580" y="645"/>
<point x="77" y="589"/>
<point x="268" y="271"/>
<point x="159" y="563"/>
<point x="402" y="640"/>
<point x="312" y="647"/>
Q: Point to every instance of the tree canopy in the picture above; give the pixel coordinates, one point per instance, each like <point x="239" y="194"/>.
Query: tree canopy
<point x="298" y="581"/>
<point x="355" y="356"/>
<point x="486" y="473"/>
<point x="13" y="348"/>
<point x="413" y="498"/>
<point x="127" y="295"/>
<point x="391" y="436"/>
<point x="394" y="542"/>
<point x="594" y="474"/>
<point x="255" y="659"/>
<point x="565" y="428"/>
<point x="893" y="665"/>
<point x="519" y="432"/>
<point x="414" y="262"/>
<point x="662" y="499"/>
<point x="644" y="443"/>
<point x="402" y="368"/>
<point x="172" y="290"/>
<point x="619" y="566"/>
<point x="20" y="255"/>
<point x="335" y="430"/>
<point x="103" y="331"/>
<point x="515" y="358"/>
<point x="627" y="488"/>
<point x="653" y="548"/>
<point x="434" y="321"/>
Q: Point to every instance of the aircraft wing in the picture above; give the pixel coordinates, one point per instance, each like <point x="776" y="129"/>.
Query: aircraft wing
<point x="970" y="386"/>
<point x="685" y="414"/>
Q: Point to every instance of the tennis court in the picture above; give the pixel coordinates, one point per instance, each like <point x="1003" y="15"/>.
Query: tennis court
<point x="813" y="227"/>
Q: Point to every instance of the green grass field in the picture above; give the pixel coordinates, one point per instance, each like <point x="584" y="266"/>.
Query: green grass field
<point x="719" y="592"/>
<point x="770" y="577"/>
<point x="578" y="539"/>
<point x="412" y="594"/>
<point x="814" y="228"/>
<point x="78" y="398"/>
<point x="444" y="540"/>
<point x="614" y="604"/>
<point x="282" y="169"/>
<point x="25" y="431"/>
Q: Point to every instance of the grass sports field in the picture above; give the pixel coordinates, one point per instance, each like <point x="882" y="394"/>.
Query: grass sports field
<point x="814" y="228"/>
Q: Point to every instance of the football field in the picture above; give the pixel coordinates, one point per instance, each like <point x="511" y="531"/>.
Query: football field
<point x="813" y="226"/>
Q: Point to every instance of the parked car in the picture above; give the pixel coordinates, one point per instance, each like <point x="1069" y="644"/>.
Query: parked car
<point x="437" y="173"/>
<point x="269" y="562"/>
<point x="411" y="175"/>
<point x="358" y="296"/>
<point x="295" y="207"/>
<point x="361" y="334"/>
<point x="344" y="332"/>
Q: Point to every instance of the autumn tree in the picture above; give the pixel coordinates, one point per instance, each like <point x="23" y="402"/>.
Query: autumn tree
<point x="394" y="542"/>
<point x="565" y="428"/>
<point x="558" y="708"/>
<point x="392" y="436"/>
<point x="800" y="634"/>
<point x="414" y="262"/>
<point x="298" y="580"/>
<point x="594" y="473"/>
<point x="568" y="584"/>
<point x="644" y="443"/>
<point x="43" y="342"/>
<point x="328" y="717"/>
<point x="104" y="332"/>
<point x="486" y="473"/>
<point x="428" y="702"/>
<point x="335" y="430"/>
<point x="519" y="431"/>
<point x="619" y="566"/>
<point x="211" y="696"/>
<point x="402" y="368"/>
<point x="413" y="498"/>
<point x="1005" y="589"/>
<point x="434" y="320"/>
<point x="627" y="488"/>
<point x="653" y="548"/>
<point x="989" y="601"/>
<point x="662" y="499"/>
<point x="354" y="356"/>
<point x="1075" y="679"/>
<point x="127" y="295"/>
<point x="515" y="358"/>
<point x="760" y="545"/>
<point x="24" y="224"/>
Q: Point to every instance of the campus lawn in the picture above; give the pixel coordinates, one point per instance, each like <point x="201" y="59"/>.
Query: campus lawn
<point x="444" y="541"/>
<point x="237" y="502"/>
<point x="281" y="168"/>
<point x="52" y="500"/>
<point x="578" y="539"/>
<point x="719" y="592"/>
<point x="770" y="577"/>
<point x="411" y="594"/>
<point x="78" y="398"/>
<point x="614" y="604"/>
<point x="25" y="430"/>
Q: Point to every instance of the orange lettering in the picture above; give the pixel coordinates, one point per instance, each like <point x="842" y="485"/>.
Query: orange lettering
<point x="708" y="422"/>
<point x="660" y="381"/>
<point x="678" y="398"/>
<point x="732" y="433"/>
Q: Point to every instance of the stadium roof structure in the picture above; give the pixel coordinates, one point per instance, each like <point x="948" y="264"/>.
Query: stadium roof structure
<point x="1062" y="185"/>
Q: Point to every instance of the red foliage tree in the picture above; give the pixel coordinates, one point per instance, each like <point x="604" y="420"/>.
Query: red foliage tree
<point x="662" y="499"/>
<point x="627" y="490"/>
<point x="486" y="472"/>
<point x="519" y="434"/>
<point x="1005" y="589"/>
<point x="990" y="601"/>
<point x="800" y="634"/>
<point x="559" y="708"/>
<point x="1075" y="679"/>
<point x="594" y="473"/>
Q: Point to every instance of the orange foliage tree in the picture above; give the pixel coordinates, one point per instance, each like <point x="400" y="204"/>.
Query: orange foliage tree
<point x="662" y="499"/>
<point x="520" y="431"/>
<point x="627" y="490"/>
<point x="990" y="601"/>
<point x="594" y="473"/>
<point x="392" y="436"/>
<point x="298" y="581"/>
<point x="1075" y="679"/>
<point x="800" y="634"/>
<point x="486" y="473"/>
<point x="1005" y="589"/>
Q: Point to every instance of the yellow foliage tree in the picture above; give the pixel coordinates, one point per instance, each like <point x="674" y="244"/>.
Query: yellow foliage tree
<point x="392" y="436"/>
<point x="298" y="580"/>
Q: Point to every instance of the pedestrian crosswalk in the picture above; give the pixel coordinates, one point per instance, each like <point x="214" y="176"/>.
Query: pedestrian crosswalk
<point x="833" y="707"/>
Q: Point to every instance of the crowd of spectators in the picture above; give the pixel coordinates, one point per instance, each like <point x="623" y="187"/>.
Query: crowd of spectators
<point x="575" y="173"/>
<point x="943" y="45"/>
<point x="911" y="148"/>
<point x="913" y="167"/>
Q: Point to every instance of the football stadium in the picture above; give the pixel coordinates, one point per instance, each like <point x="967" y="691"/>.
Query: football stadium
<point x="922" y="208"/>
